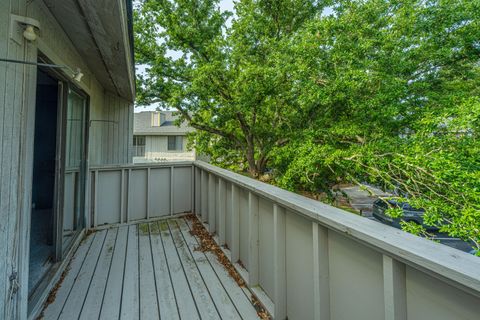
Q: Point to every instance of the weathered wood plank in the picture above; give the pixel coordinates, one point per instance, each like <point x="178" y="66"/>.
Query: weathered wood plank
<point x="74" y="304"/>
<point x="321" y="278"/>
<point x="148" y="291"/>
<point x="236" y="293"/>
<point x="211" y="204"/>
<point x="94" y="298"/>
<point x="54" y="309"/>
<point x="186" y="304"/>
<point x="395" y="291"/>
<point x="441" y="260"/>
<point x="253" y="222"/>
<point x="113" y="292"/>
<point x="165" y="289"/>
<point x="204" y="195"/>
<point x="222" y="301"/>
<point x="235" y="225"/>
<point x="279" y="266"/>
<point x="130" y="309"/>
<point x="221" y="211"/>
<point x="203" y="300"/>
<point x="10" y="109"/>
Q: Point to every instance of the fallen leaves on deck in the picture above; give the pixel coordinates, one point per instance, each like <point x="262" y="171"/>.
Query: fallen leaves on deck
<point x="208" y="244"/>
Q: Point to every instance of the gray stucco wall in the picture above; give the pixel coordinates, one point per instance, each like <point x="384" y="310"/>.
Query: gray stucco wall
<point x="110" y="142"/>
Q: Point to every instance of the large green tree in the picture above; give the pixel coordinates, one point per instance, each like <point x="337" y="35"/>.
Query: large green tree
<point x="379" y="91"/>
<point x="228" y="79"/>
<point x="398" y="106"/>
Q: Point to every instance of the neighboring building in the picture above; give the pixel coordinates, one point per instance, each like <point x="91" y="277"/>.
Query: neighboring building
<point x="157" y="138"/>
<point x="54" y="125"/>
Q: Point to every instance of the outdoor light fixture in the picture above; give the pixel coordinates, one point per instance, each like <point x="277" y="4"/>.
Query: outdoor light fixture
<point x="23" y="28"/>
<point x="76" y="75"/>
<point x="29" y="33"/>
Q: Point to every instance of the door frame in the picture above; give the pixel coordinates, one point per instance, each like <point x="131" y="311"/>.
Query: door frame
<point x="60" y="251"/>
<point x="64" y="84"/>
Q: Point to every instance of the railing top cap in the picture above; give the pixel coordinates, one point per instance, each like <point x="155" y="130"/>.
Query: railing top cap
<point x="459" y="267"/>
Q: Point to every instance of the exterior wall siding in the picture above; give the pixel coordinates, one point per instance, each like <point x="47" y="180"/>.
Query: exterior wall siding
<point x="13" y="117"/>
<point x="111" y="117"/>
<point x="156" y="149"/>
<point x="110" y="141"/>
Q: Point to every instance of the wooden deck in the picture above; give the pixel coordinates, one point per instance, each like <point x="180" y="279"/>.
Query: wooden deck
<point x="148" y="271"/>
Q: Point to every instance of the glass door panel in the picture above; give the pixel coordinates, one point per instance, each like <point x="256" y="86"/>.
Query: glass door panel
<point x="74" y="175"/>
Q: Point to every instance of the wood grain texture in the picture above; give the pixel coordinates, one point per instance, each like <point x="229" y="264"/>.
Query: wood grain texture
<point x="148" y="271"/>
<point x="444" y="262"/>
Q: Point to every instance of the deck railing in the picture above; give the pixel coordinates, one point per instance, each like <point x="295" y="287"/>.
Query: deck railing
<point x="126" y="193"/>
<point x="302" y="258"/>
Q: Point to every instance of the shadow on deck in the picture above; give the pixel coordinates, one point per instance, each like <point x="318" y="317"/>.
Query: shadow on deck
<point x="147" y="271"/>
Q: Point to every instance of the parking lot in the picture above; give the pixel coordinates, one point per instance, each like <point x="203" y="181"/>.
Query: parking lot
<point x="362" y="202"/>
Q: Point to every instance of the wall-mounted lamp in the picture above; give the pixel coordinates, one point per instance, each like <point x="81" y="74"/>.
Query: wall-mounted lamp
<point x="29" y="33"/>
<point x="23" y="27"/>
<point x="76" y="75"/>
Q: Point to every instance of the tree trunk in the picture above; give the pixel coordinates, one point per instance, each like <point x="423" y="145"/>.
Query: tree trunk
<point x="252" y="165"/>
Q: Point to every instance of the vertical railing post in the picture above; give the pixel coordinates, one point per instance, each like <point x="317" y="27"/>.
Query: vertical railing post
<point x="192" y="190"/>
<point x="122" y="197"/>
<point x="198" y="180"/>
<point x="321" y="273"/>
<point x="171" y="191"/>
<point x="253" y="228"/>
<point x="221" y="207"/>
<point x="95" y="199"/>
<point x="147" y="206"/>
<point x="235" y="225"/>
<point x="394" y="289"/>
<point x="129" y="200"/>
<point x="211" y="203"/>
<point x="204" y="198"/>
<point x="279" y="262"/>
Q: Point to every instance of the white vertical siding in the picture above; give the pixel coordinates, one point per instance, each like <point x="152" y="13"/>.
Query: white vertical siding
<point x="13" y="118"/>
<point x="17" y="110"/>
<point x="156" y="149"/>
<point x="110" y="131"/>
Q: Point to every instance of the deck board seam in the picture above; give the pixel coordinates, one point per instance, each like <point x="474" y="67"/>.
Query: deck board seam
<point x="154" y="273"/>
<point x="184" y="273"/>
<point x="108" y="275"/>
<point x="196" y="266"/>
<point x="138" y="273"/>
<point x="91" y="278"/>
<point x="216" y="273"/>
<point x="169" y="273"/>
<point x="201" y="275"/>
<point x="76" y="276"/>
<point x="123" y="276"/>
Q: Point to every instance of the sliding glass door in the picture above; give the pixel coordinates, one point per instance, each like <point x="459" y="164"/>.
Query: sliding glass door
<point x="74" y="172"/>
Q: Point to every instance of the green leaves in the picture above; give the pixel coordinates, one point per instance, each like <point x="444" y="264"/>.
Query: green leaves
<point x="385" y="92"/>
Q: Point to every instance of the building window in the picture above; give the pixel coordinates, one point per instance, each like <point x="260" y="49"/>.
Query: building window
<point x="156" y="121"/>
<point x="139" y="146"/>
<point x="175" y="143"/>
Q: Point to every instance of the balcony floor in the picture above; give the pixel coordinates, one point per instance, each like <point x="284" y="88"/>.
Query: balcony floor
<point x="147" y="271"/>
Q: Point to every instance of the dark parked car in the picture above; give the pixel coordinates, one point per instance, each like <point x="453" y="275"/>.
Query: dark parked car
<point x="410" y="214"/>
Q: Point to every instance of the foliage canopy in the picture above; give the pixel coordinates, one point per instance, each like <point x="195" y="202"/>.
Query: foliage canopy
<point x="378" y="91"/>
